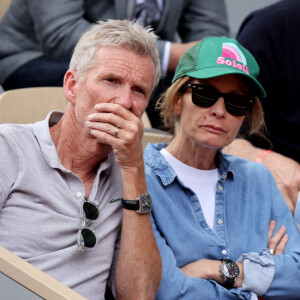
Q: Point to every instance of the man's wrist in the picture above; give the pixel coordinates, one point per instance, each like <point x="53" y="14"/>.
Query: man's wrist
<point x="142" y="204"/>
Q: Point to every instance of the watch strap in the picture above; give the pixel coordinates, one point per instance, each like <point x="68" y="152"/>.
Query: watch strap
<point x="142" y="204"/>
<point x="228" y="282"/>
<point x="130" y="204"/>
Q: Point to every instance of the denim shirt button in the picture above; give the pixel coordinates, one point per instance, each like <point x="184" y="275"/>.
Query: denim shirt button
<point x="220" y="187"/>
<point x="224" y="252"/>
<point x="220" y="221"/>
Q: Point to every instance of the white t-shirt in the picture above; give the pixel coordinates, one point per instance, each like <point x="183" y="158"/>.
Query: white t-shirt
<point x="201" y="182"/>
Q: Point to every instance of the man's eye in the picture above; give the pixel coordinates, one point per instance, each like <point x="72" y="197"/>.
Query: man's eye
<point x="139" y="90"/>
<point x="111" y="80"/>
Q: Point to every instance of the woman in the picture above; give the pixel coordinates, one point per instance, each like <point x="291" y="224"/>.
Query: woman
<point x="211" y="210"/>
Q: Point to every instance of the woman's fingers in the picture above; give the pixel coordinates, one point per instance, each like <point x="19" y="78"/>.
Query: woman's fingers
<point x="278" y="241"/>
<point x="271" y="229"/>
<point x="281" y="246"/>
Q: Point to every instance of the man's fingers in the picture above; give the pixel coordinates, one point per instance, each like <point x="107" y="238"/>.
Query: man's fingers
<point x="118" y="110"/>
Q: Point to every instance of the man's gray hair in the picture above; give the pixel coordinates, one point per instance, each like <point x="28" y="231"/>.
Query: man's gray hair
<point x="130" y="35"/>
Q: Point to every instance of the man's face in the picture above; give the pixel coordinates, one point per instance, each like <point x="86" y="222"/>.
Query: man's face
<point x="119" y="76"/>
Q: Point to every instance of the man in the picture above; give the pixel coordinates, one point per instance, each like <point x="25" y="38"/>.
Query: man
<point x="269" y="34"/>
<point x="38" y="36"/>
<point x="61" y="178"/>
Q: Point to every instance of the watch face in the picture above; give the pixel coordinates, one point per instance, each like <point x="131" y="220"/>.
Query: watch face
<point x="230" y="269"/>
<point x="145" y="201"/>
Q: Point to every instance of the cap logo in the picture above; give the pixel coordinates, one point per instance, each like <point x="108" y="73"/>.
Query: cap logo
<point x="236" y="57"/>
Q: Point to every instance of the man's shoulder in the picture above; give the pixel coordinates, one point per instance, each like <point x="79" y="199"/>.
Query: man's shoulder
<point x="15" y="129"/>
<point x="18" y="135"/>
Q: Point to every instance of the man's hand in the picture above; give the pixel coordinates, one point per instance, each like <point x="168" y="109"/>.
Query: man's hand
<point x="286" y="171"/>
<point x="118" y="127"/>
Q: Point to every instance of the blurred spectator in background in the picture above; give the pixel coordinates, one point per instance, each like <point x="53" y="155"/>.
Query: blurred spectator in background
<point x="272" y="35"/>
<point x="38" y="36"/>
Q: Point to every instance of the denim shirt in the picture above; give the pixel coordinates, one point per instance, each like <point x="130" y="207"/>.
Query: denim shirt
<point x="247" y="198"/>
<point x="297" y="212"/>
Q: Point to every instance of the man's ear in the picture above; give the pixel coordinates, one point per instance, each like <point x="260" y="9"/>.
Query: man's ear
<point x="178" y="105"/>
<point x="70" y="81"/>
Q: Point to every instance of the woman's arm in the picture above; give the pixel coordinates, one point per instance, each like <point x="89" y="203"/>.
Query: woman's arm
<point x="210" y="269"/>
<point x="176" y="285"/>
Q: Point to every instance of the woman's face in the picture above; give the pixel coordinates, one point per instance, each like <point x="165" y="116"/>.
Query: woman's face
<point x="213" y="126"/>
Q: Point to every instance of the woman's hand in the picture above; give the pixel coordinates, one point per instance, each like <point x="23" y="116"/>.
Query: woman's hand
<point x="278" y="241"/>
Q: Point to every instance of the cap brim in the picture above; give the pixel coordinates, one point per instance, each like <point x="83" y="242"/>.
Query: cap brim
<point x="219" y="71"/>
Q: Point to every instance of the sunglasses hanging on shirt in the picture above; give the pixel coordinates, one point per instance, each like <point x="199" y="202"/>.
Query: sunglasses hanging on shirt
<point x="87" y="239"/>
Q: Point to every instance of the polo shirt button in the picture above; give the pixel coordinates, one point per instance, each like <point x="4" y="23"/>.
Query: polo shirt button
<point x="220" y="221"/>
<point x="224" y="252"/>
<point x="78" y="194"/>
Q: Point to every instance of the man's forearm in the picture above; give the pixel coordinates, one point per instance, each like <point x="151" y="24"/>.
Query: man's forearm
<point x="138" y="270"/>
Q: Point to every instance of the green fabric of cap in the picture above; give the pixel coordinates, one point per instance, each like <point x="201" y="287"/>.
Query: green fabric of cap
<point x="217" y="56"/>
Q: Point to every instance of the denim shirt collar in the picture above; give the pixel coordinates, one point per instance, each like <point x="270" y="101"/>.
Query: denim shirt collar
<point x="165" y="172"/>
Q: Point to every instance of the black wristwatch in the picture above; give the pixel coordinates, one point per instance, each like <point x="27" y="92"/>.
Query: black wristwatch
<point x="229" y="271"/>
<point x="141" y="205"/>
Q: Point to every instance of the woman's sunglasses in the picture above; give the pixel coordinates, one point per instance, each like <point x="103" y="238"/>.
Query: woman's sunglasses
<point x="86" y="238"/>
<point x="206" y="96"/>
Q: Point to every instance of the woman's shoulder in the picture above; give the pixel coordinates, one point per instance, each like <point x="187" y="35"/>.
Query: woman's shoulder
<point x="242" y="165"/>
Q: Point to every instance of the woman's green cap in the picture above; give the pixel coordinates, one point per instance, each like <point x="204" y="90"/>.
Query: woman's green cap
<point x="217" y="56"/>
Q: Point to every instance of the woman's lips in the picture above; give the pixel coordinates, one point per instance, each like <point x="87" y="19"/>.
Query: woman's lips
<point x="214" y="129"/>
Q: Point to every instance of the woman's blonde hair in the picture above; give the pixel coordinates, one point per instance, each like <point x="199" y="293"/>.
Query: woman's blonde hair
<point x="253" y="123"/>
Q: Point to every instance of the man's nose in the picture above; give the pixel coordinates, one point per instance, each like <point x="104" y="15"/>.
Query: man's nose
<point x="125" y="98"/>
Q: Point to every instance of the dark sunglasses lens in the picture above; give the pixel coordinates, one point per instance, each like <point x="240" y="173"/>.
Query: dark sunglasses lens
<point x="90" y="211"/>
<point x="88" y="238"/>
<point x="203" y="97"/>
<point x="237" y="105"/>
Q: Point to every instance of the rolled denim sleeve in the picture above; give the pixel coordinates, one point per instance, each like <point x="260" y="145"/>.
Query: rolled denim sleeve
<point x="259" y="271"/>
